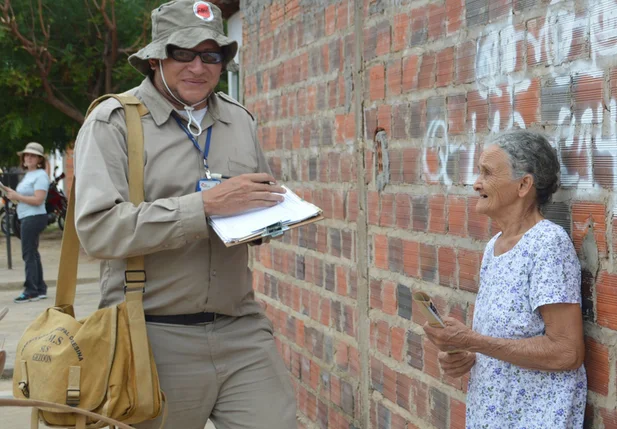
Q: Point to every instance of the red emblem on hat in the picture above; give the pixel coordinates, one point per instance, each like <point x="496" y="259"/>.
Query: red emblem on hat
<point x="203" y="11"/>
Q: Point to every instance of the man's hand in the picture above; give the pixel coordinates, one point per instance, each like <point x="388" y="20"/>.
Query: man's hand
<point x="456" y="364"/>
<point x="242" y="193"/>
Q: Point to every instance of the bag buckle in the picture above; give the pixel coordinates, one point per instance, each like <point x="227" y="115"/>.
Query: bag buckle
<point x="23" y="386"/>
<point x="133" y="276"/>
<point x="72" y="397"/>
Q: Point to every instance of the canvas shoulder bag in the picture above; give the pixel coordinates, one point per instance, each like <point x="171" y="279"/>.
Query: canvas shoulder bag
<point x="102" y="363"/>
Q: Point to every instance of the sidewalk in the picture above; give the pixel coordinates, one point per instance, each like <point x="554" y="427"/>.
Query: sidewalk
<point x="49" y="248"/>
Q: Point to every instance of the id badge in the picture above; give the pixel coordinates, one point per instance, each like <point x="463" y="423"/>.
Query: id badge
<point x="205" y="184"/>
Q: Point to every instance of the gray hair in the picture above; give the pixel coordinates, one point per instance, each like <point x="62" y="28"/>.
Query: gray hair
<point x="531" y="153"/>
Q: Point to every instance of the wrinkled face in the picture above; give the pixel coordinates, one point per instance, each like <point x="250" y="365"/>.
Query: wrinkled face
<point x="31" y="160"/>
<point x="495" y="186"/>
<point x="190" y="82"/>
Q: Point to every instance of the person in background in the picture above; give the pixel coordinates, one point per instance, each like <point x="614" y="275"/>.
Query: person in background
<point x="30" y="196"/>
<point x="526" y="349"/>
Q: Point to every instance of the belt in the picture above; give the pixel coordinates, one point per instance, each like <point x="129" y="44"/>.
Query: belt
<point x="184" y="319"/>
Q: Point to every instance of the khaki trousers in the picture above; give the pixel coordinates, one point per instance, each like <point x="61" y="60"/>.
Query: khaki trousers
<point x="228" y="370"/>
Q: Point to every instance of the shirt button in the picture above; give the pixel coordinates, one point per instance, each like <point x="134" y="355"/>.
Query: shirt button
<point x="213" y="273"/>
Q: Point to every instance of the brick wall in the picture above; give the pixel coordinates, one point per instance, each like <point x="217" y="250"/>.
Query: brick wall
<point x="386" y="143"/>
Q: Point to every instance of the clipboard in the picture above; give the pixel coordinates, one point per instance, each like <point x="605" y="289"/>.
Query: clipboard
<point x="270" y="222"/>
<point x="276" y="230"/>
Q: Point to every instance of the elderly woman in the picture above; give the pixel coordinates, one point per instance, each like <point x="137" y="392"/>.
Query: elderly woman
<point x="526" y="349"/>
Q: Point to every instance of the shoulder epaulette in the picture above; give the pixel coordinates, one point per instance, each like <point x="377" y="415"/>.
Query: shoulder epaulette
<point x="231" y="100"/>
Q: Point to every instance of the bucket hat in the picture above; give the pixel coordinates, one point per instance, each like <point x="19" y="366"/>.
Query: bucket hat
<point x="186" y="24"/>
<point x="34" y="148"/>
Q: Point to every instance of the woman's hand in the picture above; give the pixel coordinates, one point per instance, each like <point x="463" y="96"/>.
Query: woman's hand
<point x="456" y="364"/>
<point x="455" y="336"/>
<point x="11" y="194"/>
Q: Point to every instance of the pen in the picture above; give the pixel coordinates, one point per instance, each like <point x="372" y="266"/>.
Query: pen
<point x="221" y="176"/>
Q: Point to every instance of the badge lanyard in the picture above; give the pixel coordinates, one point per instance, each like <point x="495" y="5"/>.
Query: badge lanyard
<point x="196" y="144"/>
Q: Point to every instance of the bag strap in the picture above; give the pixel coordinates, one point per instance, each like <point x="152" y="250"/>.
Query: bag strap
<point x="69" y="253"/>
<point x="135" y="275"/>
<point x="59" y="408"/>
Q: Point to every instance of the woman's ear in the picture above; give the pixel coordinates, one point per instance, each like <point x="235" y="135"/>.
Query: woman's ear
<point x="526" y="185"/>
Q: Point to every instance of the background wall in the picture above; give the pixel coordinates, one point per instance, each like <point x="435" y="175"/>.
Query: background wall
<point x="377" y="112"/>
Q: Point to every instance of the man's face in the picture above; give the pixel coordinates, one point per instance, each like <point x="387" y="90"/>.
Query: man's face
<point x="190" y="82"/>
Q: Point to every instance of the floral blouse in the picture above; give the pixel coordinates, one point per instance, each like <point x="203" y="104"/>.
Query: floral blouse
<point x="541" y="269"/>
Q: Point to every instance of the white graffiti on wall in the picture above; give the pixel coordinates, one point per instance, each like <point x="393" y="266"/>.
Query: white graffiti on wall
<point x="557" y="39"/>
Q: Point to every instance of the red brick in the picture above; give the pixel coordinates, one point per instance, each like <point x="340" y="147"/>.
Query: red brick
<point x="352" y="206"/>
<point x="342" y="15"/>
<point x="397" y="336"/>
<point x="586" y="215"/>
<point x="428" y="262"/>
<point x="587" y="93"/>
<point x="426" y="76"/>
<point x="387" y="210"/>
<point x="437" y="214"/>
<point x="400" y="32"/>
<point x="527" y="103"/>
<point x="465" y="62"/>
<point x="454" y="13"/>
<point x="456" y="114"/>
<point x="436" y="21"/>
<point x="447" y="266"/>
<point x="596" y="364"/>
<point x="457" y="414"/>
<point x="420" y="398"/>
<point x="381" y="251"/>
<point x="383" y="39"/>
<point x="410" y="165"/>
<point x="469" y="267"/>
<point x="389" y="298"/>
<point x="606" y="289"/>
<point x="411" y="252"/>
<point x="410" y="73"/>
<point x="341" y="355"/>
<point x="383" y="337"/>
<point x="373" y="208"/>
<point x="477" y="107"/>
<point x="341" y="281"/>
<point x="403" y="391"/>
<point x="431" y="361"/>
<point x="403" y="210"/>
<point x="389" y="383"/>
<point x="384" y="117"/>
<point x="457" y="212"/>
<point x="609" y="418"/>
<point x="394" y="77"/>
<point x="445" y="67"/>
<point x="377" y="82"/>
<point x="330" y="20"/>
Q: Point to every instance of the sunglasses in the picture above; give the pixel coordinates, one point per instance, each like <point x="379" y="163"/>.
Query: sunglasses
<point x="186" y="55"/>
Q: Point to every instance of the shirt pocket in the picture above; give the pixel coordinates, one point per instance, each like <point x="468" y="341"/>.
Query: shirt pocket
<point x="243" y="166"/>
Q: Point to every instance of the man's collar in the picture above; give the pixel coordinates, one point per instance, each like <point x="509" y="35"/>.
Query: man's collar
<point x="161" y="109"/>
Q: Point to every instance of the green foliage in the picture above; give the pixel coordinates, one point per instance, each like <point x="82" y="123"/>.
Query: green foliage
<point x="79" y="42"/>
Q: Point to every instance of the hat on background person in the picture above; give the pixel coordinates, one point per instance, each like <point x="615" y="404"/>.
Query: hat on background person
<point x="33" y="148"/>
<point x="186" y="24"/>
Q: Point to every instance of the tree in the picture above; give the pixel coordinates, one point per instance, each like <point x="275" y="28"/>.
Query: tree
<point x="59" y="56"/>
<point x="56" y="58"/>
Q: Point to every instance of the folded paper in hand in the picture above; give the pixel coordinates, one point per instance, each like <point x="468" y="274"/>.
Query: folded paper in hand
<point x="293" y="211"/>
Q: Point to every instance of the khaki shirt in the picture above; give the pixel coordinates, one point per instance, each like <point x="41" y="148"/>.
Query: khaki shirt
<point x="188" y="268"/>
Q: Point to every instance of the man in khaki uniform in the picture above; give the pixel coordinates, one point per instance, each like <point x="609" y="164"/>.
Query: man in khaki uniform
<point x="213" y="345"/>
